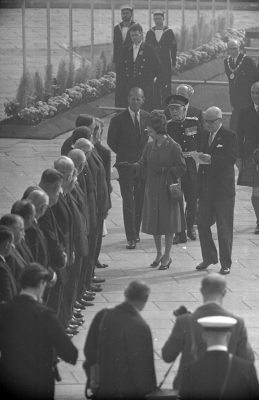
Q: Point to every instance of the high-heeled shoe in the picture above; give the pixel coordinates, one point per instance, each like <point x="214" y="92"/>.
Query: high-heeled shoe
<point x="156" y="263"/>
<point x="165" y="266"/>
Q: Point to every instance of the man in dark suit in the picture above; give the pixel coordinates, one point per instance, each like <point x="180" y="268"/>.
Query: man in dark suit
<point x="162" y="39"/>
<point x="31" y="338"/>
<point x="121" y="38"/>
<point x="186" y="337"/>
<point x="219" y="374"/>
<point x="8" y="288"/>
<point x="120" y="341"/>
<point x="216" y="191"/>
<point x="127" y="138"/>
<point x="139" y="67"/>
<point x="241" y="72"/>
<point x="248" y="142"/>
<point x="188" y="91"/>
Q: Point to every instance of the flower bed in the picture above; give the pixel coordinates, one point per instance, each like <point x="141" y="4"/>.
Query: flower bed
<point x="96" y="88"/>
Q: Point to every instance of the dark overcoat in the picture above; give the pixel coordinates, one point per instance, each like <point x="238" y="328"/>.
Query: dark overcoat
<point x="140" y="73"/>
<point x="120" y="341"/>
<point x="186" y="338"/>
<point x="105" y="155"/>
<point x="37" y="244"/>
<point x="163" y="165"/>
<point x="204" y="379"/>
<point x="30" y="339"/>
<point x="166" y="49"/>
<point x="118" y="42"/>
<point x="248" y="141"/>
<point x="8" y="287"/>
<point x="244" y="77"/>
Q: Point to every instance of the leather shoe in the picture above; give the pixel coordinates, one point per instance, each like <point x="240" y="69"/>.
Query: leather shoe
<point x="79" y="319"/>
<point x="224" y="271"/>
<point x="204" y="265"/>
<point x="74" y="323"/>
<point x="180" y="237"/>
<point x="71" y="330"/>
<point x="88" y="297"/>
<point x="79" y="305"/>
<point x="131" y="245"/>
<point x="256" y="231"/>
<point x="85" y="303"/>
<point x="95" y="279"/>
<point x="100" y="265"/>
<point x="191" y="233"/>
<point x="89" y="293"/>
<point x="96" y="288"/>
<point x="137" y="239"/>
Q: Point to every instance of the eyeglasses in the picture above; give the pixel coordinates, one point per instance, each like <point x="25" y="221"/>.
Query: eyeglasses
<point x="211" y="121"/>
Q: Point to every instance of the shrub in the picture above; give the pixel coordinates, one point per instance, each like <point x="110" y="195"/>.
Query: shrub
<point x="25" y="90"/>
<point x="38" y="87"/>
<point x="62" y="76"/>
<point x="48" y="79"/>
<point x="83" y="72"/>
<point x="70" y="75"/>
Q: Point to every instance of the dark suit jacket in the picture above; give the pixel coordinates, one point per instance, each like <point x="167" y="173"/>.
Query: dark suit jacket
<point x="217" y="180"/>
<point x="186" y="338"/>
<point x="125" y="353"/>
<point x="204" y="379"/>
<point x="37" y="244"/>
<point x="105" y="155"/>
<point x="123" y="139"/>
<point x="25" y="252"/>
<point x="16" y="263"/>
<point x="247" y="132"/>
<point x="118" y="42"/>
<point x="8" y="287"/>
<point x="66" y="146"/>
<point x="30" y="337"/>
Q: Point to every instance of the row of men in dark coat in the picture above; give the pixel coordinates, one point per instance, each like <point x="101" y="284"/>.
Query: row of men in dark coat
<point x="59" y="224"/>
<point x="145" y="64"/>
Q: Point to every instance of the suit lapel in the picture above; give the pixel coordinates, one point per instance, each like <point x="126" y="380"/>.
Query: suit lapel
<point x="216" y="138"/>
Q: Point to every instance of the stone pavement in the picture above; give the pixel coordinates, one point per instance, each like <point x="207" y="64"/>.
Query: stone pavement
<point x="21" y="164"/>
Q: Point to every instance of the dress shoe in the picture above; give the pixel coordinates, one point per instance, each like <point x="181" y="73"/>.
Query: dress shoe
<point x="80" y="320"/>
<point x="224" y="271"/>
<point x="96" y="288"/>
<point x="89" y="293"/>
<point x="137" y="240"/>
<point x="88" y="297"/>
<point x="191" y="233"/>
<point x="85" y="303"/>
<point x="95" y="279"/>
<point x="78" y="315"/>
<point x="73" y="322"/>
<point x="162" y="267"/>
<point x="156" y="263"/>
<point x="70" y="335"/>
<point x="204" y="265"/>
<point x="256" y="231"/>
<point x="131" y="245"/>
<point x="71" y="331"/>
<point x="79" y="305"/>
<point x="77" y="321"/>
<point x="100" y="265"/>
<point x="180" y="237"/>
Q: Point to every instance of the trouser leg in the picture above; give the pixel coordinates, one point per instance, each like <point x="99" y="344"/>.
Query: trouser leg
<point x="206" y="218"/>
<point x="139" y="190"/>
<point x="128" y="207"/>
<point x="255" y="202"/>
<point x="224" y="211"/>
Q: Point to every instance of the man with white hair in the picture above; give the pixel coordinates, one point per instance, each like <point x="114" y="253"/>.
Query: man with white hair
<point x="216" y="191"/>
<point x="241" y="72"/>
<point x="187" y="91"/>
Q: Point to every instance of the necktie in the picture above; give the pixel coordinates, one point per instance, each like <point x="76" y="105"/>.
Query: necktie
<point x="211" y="137"/>
<point x="136" y="123"/>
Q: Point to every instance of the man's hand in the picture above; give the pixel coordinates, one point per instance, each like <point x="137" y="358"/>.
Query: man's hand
<point x="205" y="158"/>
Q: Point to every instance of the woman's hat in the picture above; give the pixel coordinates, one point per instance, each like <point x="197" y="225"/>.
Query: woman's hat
<point x="157" y="121"/>
<point x="176" y="99"/>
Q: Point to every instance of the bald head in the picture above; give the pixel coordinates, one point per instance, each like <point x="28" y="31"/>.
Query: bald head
<point x="213" y="119"/>
<point x="255" y="93"/>
<point x="40" y="200"/>
<point x="185" y="90"/>
<point x="66" y="167"/>
<point x="213" y="287"/>
<point x="78" y="157"/>
<point x="233" y="47"/>
<point x="85" y="145"/>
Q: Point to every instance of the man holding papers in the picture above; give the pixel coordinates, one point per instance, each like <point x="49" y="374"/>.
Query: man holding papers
<point x="216" y="191"/>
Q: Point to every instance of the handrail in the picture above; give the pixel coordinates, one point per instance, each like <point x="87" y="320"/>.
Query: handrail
<point x="191" y="81"/>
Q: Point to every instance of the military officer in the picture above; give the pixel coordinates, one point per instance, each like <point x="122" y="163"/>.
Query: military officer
<point x="187" y="132"/>
<point x="140" y="67"/>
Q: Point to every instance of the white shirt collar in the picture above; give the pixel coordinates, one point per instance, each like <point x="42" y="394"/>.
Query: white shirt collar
<point x="256" y="107"/>
<point x="24" y="292"/>
<point x="2" y="258"/>
<point x="217" y="347"/>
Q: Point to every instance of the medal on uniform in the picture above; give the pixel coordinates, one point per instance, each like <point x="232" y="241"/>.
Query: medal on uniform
<point x="232" y="76"/>
<point x="233" y="70"/>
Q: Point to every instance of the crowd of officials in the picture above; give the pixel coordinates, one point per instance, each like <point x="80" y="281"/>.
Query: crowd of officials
<point x="51" y="240"/>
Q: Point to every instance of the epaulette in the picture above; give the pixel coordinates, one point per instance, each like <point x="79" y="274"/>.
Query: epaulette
<point x="194" y="118"/>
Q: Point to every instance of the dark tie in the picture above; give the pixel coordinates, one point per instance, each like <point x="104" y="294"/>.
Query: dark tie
<point x="211" y="138"/>
<point x="136" y="123"/>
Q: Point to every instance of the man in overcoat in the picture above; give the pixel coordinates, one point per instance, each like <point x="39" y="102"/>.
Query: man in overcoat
<point x="162" y="39"/>
<point x="186" y="336"/>
<point x="139" y="67"/>
<point x="127" y="139"/>
<point x="216" y="191"/>
<point x="31" y="337"/>
<point x="248" y="142"/>
<point x="120" y="341"/>
<point x="121" y="38"/>
<point x="241" y="73"/>
<point x="8" y="288"/>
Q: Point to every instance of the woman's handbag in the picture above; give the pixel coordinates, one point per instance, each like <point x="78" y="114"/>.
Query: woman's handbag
<point x="175" y="191"/>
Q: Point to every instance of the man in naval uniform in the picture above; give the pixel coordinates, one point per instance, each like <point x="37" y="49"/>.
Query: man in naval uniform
<point x="140" y="67"/>
<point x="187" y="132"/>
<point x="121" y="38"/>
<point x="242" y="73"/>
<point x="162" y="39"/>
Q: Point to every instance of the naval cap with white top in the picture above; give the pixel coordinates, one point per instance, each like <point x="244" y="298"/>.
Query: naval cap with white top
<point x="217" y="322"/>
